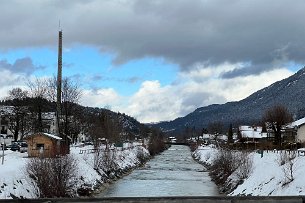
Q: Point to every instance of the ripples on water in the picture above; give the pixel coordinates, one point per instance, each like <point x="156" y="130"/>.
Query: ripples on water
<point x="172" y="173"/>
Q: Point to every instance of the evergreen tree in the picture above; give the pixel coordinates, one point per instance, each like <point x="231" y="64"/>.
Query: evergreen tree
<point x="239" y="137"/>
<point x="230" y="134"/>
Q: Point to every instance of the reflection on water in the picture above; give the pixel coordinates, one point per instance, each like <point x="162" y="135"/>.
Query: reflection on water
<point x="173" y="173"/>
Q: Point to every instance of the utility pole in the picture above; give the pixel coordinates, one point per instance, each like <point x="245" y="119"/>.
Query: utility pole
<point x="3" y="152"/>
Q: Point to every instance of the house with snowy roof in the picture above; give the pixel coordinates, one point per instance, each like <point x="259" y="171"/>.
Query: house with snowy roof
<point x="252" y="133"/>
<point x="208" y="137"/>
<point x="299" y="127"/>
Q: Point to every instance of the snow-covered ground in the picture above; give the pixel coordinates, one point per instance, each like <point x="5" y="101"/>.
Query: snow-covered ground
<point x="205" y="154"/>
<point x="15" y="182"/>
<point x="267" y="177"/>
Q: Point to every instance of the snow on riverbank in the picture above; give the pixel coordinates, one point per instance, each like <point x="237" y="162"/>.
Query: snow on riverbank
<point x="205" y="154"/>
<point x="267" y="177"/>
<point x="15" y="182"/>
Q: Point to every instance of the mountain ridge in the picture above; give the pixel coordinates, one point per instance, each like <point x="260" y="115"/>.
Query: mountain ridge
<point x="288" y="92"/>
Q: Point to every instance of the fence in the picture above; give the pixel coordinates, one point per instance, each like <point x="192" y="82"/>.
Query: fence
<point x="91" y="151"/>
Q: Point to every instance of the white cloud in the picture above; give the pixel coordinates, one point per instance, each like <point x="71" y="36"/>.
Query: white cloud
<point x="101" y="98"/>
<point x="200" y="72"/>
<point x="241" y="87"/>
<point x="153" y="102"/>
<point x="232" y="89"/>
<point x="10" y="80"/>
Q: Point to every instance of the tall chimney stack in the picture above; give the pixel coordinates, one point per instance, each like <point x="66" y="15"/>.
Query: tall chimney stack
<point x="59" y="82"/>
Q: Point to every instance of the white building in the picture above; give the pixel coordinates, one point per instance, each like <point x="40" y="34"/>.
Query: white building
<point x="252" y="132"/>
<point x="299" y="126"/>
<point x="5" y="112"/>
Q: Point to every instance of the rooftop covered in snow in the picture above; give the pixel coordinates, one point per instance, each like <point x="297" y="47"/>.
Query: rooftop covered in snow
<point x="46" y="134"/>
<point x="297" y="123"/>
<point x="252" y="132"/>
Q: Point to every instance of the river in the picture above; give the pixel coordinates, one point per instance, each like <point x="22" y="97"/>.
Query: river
<point x="172" y="173"/>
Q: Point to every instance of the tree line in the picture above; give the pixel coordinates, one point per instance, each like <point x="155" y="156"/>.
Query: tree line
<point x="29" y="107"/>
<point x="275" y="118"/>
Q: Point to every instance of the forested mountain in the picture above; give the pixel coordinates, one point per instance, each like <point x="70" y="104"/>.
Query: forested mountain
<point x="88" y="120"/>
<point x="120" y="121"/>
<point x="289" y="92"/>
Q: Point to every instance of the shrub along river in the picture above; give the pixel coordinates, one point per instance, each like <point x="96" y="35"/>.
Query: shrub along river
<point x="172" y="173"/>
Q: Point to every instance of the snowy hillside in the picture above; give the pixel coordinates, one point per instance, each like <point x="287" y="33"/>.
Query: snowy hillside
<point x="15" y="182"/>
<point x="268" y="176"/>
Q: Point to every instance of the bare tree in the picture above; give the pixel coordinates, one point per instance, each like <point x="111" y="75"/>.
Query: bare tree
<point x="51" y="90"/>
<point x="97" y="128"/>
<point x="103" y="125"/>
<point x="25" y="124"/>
<point x="20" y="111"/>
<point x="215" y="128"/>
<point x="187" y="132"/>
<point x="106" y="126"/>
<point x="71" y="95"/>
<point x="75" y="128"/>
<point x="38" y="89"/>
<point x="276" y="118"/>
<point x="156" y="142"/>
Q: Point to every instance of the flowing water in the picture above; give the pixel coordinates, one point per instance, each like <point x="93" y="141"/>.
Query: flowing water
<point x="172" y="173"/>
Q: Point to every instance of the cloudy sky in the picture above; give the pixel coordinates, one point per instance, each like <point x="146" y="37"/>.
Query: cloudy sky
<point x="154" y="60"/>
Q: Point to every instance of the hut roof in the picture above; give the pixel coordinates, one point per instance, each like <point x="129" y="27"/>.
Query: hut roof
<point x="46" y="134"/>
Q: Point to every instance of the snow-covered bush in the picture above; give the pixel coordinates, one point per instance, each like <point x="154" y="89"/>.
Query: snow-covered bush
<point x="287" y="161"/>
<point x="53" y="177"/>
<point x="245" y="164"/>
<point x="229" y="168"/>
<point x="142" y="157"/>
<point x="223" y="165"/>
<point x="207" y="156"/>
<point x="105" y="160"/>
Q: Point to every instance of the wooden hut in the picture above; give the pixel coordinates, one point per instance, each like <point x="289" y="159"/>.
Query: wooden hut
<point x="45" y="145"/>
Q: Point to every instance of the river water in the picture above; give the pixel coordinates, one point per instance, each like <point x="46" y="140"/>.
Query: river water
<point x="172" y="173"/>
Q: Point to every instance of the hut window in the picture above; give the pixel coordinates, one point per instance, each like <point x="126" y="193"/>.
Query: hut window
<point x="39" y="146"/>
<point x="3" y="130"/>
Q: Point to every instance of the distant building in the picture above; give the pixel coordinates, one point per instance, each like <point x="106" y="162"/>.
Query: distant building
<point x="6" y="135"/>
<point x="252" y="133"/>
<point x="172" y="140"/>
<point x="49" y="122"/>
<point x="6" y="139"/>
<point x="209" y="137"/>
<point x="4" y="123"/>
<point x="298" y="127"/>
